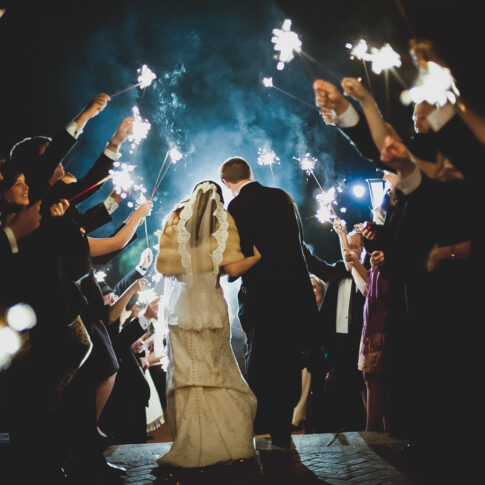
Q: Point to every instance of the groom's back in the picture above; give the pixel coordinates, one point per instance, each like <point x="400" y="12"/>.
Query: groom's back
<point x="267" y="218"/>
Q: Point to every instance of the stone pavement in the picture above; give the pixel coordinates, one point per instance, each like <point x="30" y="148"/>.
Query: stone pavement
<point x="362" y="458"/>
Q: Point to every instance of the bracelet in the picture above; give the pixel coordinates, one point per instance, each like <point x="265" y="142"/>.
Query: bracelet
<point x="452" y="253"/>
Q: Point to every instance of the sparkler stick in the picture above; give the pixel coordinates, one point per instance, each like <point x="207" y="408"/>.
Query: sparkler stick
<point x="102" y="181"/>
<point x="268" y="83"/>
<point x="144" y="79"/>
<point x="158" y="175"/>
<point x="146" y="233"/>
<point x="321" y="66"/>
<point x="268" y="157"/>
<point x="175" y="155"/>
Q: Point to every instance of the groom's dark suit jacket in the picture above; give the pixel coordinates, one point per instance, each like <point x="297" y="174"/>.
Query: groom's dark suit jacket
<point x="277" y="308"/>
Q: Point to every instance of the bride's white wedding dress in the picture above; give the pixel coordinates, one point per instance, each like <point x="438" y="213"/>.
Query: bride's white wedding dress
<point x="210" y="407"/>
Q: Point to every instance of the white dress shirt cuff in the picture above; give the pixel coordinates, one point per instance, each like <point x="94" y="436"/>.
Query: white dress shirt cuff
<point x="12" y="240"/>
<point x="349" y="118"/>
<point x="73" y="129"/>
<point x="141" y="269"/>
<point x="110" y="204"/>
<point x="143" y="321"/>
<point x="410" y="183"/>
<point x="111" y="154"/>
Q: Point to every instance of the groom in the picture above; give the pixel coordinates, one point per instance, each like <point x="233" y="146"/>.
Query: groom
<point x="277" y="307"/>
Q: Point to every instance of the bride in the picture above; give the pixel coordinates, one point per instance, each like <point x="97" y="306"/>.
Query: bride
<point x="209" y="404"/>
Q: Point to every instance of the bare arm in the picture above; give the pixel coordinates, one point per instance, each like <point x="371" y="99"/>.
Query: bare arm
<point x="360" y="279"/>
<point x="100" y="246"/>
<point x="341" y="230"/>
<point x="116" y="309"/>
<point x="440" y="253"/>
<point x="379" y="129"/>
<point x="240" y="267"/>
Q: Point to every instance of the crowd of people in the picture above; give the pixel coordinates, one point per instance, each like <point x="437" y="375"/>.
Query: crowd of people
<point x="381" y="340"/>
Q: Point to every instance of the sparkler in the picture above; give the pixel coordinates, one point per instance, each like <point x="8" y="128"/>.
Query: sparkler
<point x="307" y="163"/>
<point x="360" y="51"/>
<point x="145" y="78"/>
<point x="102" y="181"/>
<point x="175" y="155"/>
<point x="146" y="296"/>
<point x="122" y="179"/>
<point x="268" y="157"/>
<point x="141" y="128"/>
<point x="286" y="43"/>
<point x="435" y="86"/>
<point x="100" y="276"/>
<point x="325" y="199"/>
<point x="384" y="58"/>
<point x="268" y="83"/>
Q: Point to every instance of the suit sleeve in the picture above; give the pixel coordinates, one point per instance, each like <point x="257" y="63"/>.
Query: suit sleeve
<point x="41" y="171"/>
<point x="360" y="138"/>
<point x="318" y="266"/>
<point x="96" y="173"/>
<point x="95" y="217"/>
<point x="130" y="333"/>
<point x="127" y="281"/>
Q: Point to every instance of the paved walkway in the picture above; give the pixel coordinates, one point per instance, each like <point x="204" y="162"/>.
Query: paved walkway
<point x="353" y="458"/>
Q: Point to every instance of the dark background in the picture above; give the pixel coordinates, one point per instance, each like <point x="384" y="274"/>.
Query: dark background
<point x="208" y="99"/>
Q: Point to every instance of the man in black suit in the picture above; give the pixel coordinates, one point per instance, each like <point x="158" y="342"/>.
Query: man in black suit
<point x="277" y="307"/>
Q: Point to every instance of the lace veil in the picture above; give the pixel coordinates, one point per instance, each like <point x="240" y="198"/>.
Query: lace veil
<point x="201" y="236"/>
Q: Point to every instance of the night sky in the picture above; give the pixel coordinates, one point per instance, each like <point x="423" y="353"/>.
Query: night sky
<point x="208" y="99"/>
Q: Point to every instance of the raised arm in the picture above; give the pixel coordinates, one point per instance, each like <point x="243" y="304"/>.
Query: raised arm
<point x="100" y="246"/>
<point x="116" y="309"/>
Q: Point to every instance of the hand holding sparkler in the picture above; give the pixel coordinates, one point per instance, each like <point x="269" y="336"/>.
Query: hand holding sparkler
<point x="59" y="208"/>
<point x="339" y="226"/>
<point x="353" y="87"/>
<point x="122" y="133"/>
<point x="152" y="309"/>
<point x="397" y="156"/>
<point x="144" y="210"/>
<point x="146" y="258"/>
<point x="95" y="106"/>
<point x="328" y="96"/>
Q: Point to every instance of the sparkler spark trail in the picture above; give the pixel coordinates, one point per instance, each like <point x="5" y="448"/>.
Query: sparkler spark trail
<point x="141" y="128"/>
<point x="325" y="199"/>
<point x="286" y="43"/>
<point x="145" y="78"/>
<point x="122" y="179"/>
<point x="100" y="276"/>
<point x="435" y="85"/>
<point x="146" y="296"/>
<point x="268" y="157"/>
<point x="307" y="163"/>
<point x="360" y="51"/>
<point x="268" y="83"/>
<point x="384" y="58"/>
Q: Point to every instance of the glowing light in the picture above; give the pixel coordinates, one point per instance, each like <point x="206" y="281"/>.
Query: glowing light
<point x="358" y="190"/>
<point x="122" y="179"/>
<point x="141" y="199"/>
<point x="360" y="51"/>
<point x="268" y="82"/>
<point x="130" y="204"/>
<point x="100" y="276"/>
<point x="286" y="43"/>
<point x="146" y="76"/>
<point x="343" y="210"/>
<point x="384" y="58"/>
<point x="175" y="154"/>
<point x="435" y="85"/>
<point x="325" y="199"/>
<point x="21" y="317"/>
<point x="146" y="296"/>
<point x="267" y="157"/>
<point x="307" y="163"/>
<point x="9" y="341"/>
<point x="141" y="128"/>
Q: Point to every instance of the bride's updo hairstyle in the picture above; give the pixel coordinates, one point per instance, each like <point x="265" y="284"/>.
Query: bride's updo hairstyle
<point x="201" y="209"/>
